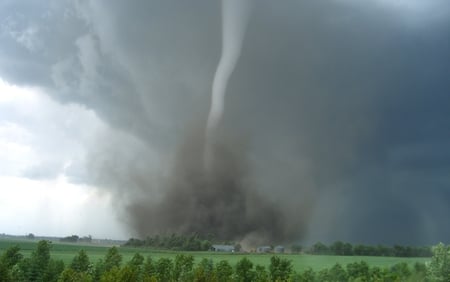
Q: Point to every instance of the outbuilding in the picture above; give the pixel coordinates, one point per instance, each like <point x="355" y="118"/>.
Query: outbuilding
<point x="222" y="248"/>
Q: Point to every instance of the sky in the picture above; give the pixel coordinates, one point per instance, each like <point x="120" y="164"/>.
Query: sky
<point x="340" y="107"/>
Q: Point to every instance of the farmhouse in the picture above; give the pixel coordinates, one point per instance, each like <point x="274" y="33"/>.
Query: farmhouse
<point x="222" y="248"/>
<point x="278" y="249"/>
<point x="264" y="249"/>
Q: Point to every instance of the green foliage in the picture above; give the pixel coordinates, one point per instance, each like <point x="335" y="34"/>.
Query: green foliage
<point x="319" y="248"/>
<point x="439" y="267"/>
<point x="261" y="274"/>
<point x="224" y="271"/>
<point x="70" y="239"/>
<point x="11" y="256"/>
<point x="307" y="276"/>
<point x="39" y="266"/>
<point x="182" y="270"/>
<point x="358" y="270"/>
<point x="280" y="269"/>
<point x="70" y="275"/>
<point x="296" y="248"/>
<point x="112" y="259"/>
<point x="5" y="274"/>
<point x="204" y="272"/>
<point x="80" y="262"/>
<point x="163" y="269"/>
<point x="53" y="271"/>
<point x="149" y="268"/>
<point x="244" y="271"/>
<point x="337" y="273"/>
<point x="173" y="242"/>
<point x="129" y="273"/>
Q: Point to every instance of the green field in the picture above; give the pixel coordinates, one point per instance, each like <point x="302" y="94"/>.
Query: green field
<point x="66" y="252"/>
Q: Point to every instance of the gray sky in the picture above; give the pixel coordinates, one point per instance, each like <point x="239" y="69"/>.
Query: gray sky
<point x="343" y="106"/>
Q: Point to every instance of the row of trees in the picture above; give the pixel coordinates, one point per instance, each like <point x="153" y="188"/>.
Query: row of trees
<point x="40" y="267"/>
<point x="77" y="239"/>
<point x="173" y="242"/>
<point x="346" y="249"/>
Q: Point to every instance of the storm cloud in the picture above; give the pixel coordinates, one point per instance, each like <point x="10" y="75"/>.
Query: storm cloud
<point x="336" y="114"/>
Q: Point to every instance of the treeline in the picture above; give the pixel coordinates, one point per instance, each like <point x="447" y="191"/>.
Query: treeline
<point x="174" y="242"/>
<point x="40" y="267"/>
<point x="76" y="239"/>
<point x="339" y="248"/>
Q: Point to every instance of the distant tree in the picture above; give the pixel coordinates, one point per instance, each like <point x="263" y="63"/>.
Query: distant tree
<point x="86" y="239"/>
<point x="347" y="249"/>
<point x="296" y="248"/>
<point x="337" y="248"/>
<point x="205" y="245"/>
<point x="319" y="248"/>
<point x="30" y="236"/>
<point x="70" y="239"/>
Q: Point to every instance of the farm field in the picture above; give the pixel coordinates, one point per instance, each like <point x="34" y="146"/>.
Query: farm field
<point x="66" y="252"/>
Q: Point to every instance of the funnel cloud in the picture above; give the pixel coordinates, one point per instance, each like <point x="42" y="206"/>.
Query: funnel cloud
<point x="235" y="16"/>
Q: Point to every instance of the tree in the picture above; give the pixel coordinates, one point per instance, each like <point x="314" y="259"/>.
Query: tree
<point x="224" y="271"/>
<point x="163" y="269"/>
<point x="280" y="269"/>
<point x="204" y="271"/>
<point x="261" y="274"/>
<point x="80" y="262"/>
<point x="296" y="248"/>
<point x="358" y="270"/>
<point x="337" y="272"/>
<point x="244" y="272"/>
<point x="183" y="267"/>
<point x="70" y="275"/>
<point x="112" y="259"/>
<point x="319" y="248"/>
<point x="11" y="256"/>
<point x="439" y="267"/>
<point x="149" y="268"/>
<point x="39" y="261"/>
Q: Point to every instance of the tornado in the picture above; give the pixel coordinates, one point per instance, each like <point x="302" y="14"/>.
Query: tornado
<point x="235" y="16"/>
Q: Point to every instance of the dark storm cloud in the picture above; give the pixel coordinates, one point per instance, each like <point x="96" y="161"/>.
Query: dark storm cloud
<point x="344" y="104"/>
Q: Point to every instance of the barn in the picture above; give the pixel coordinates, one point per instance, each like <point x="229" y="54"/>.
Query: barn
<point x="222" y="248"/>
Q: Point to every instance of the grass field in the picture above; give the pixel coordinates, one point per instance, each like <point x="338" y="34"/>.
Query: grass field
<point x="66" y="252"/>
